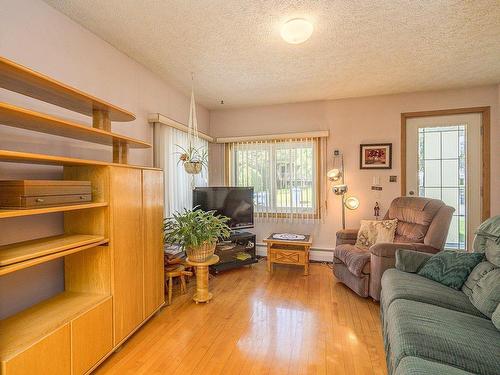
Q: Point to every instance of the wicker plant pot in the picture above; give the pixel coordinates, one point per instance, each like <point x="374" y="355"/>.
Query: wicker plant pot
<point x="202" y="253"/>
<point x="192" y="167"/>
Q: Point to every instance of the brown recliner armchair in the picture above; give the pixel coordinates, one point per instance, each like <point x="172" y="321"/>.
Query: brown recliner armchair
<point x="423" y="225"/>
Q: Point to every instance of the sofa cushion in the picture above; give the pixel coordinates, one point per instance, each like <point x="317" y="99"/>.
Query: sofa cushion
<point x="495" y="318"/>
<point x="409" y="286"/>
<point x="357" y="260"/>
<point x="437" y="334"/>
<point x="485" y="294"/>
<point x="477" y="273"/>
<point x="420" y="366"/>
<point x="450" y="268"/>
<point x="410" y="261"/>
<point x="375" y="231"/>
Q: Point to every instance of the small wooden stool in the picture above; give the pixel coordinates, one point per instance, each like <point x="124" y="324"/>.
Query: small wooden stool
<point x="177" y="270"/>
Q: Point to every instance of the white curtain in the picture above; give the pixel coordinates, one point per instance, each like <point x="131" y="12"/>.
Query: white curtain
<point x="178" y="183"/>
<point x="285" y="175"/>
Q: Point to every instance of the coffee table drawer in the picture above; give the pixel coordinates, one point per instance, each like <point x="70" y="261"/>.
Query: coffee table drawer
<point x="288" y="256"/>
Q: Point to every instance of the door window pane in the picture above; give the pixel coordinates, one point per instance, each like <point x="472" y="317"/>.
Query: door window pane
<point x="442" y="174"/>
<point x="449" y="144"/>
<point x="432" y="173"/>
<point x="432" y="145"/>
<point x="450" y="173"/>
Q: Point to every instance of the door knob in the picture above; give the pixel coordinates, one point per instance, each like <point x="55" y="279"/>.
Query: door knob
<point x="411" y="192"/>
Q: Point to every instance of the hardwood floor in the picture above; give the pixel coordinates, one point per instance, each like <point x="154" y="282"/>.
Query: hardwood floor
<point x="286" y="323"/>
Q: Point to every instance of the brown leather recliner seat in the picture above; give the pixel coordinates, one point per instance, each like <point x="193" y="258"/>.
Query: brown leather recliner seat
<point x="423" y="225"/>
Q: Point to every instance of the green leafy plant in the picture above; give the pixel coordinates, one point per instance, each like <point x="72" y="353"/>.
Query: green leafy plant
<point x="192" y="154"/>
<point x="193" y="228"/>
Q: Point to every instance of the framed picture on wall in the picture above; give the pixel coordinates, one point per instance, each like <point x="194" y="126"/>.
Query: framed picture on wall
<point x="375" y="156"/>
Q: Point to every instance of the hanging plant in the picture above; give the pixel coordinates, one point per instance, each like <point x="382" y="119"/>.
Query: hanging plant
<point x="194" y="159"/>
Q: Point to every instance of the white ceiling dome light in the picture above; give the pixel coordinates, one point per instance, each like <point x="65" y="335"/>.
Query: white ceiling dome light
<point x="296" y="30"/>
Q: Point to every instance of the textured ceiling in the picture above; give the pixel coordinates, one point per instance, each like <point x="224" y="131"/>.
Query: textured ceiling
<point x="358" y="48"/>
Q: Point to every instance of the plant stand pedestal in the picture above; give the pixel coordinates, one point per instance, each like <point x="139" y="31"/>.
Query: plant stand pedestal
<point x="202" y="294"/>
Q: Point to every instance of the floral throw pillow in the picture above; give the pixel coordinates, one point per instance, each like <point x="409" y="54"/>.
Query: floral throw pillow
<point x="376" y="231"/>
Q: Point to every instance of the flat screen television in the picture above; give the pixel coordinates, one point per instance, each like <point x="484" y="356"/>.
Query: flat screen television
<point x="233" y="202"/>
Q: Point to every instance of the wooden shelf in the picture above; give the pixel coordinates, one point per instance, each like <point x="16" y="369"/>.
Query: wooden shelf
<point x="26" y="119"/>
<point x="24" y="329"/>
<point x="18" y="78"/>
<point x="30" y="158"/>
<point x="48" y="210"/>
<point x="29" y="253"/>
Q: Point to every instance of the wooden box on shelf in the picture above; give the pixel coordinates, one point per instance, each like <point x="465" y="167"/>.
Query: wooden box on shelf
<point x="24" y="194"/>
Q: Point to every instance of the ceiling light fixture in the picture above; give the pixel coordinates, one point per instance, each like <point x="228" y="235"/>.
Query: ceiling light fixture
<point x="296" y="31"/>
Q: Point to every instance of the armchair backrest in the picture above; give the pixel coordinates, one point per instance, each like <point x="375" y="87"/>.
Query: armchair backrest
<point x="421" y="220"/>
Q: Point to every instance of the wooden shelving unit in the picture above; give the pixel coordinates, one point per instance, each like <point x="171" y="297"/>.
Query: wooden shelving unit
<point x="112" y="248"/>
<point x="49" y="210"/>
<point x="20" y="79"/>
<point x="30" y="120"/>
<point x="23" y="330"/>
<point x="29" y="253"/>
<point x="31" y="158"/>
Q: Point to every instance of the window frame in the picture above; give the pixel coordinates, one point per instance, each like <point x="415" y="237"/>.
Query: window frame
<point x="315" y="212"/>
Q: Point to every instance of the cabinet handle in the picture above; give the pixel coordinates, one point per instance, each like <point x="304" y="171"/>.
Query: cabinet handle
<point x="39" y="200"/>
<point x="82" y="197"/>
<point x="411" y="192"/>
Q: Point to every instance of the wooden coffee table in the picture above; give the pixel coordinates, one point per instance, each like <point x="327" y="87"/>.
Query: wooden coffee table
<point x="288" y="251"/>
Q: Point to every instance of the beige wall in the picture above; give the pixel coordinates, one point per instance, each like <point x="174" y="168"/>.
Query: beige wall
<point x="352" y="122"/>
<point x="37" y="36"/>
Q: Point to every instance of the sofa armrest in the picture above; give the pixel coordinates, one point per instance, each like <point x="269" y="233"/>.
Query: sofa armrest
<point x="347" y="236"/>
<point x="410" y="260"/>
<point x="388" y="249"/>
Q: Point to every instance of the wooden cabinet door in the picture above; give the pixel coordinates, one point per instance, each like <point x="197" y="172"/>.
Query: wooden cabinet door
<point x="91" y="337"/>
<point x="152" y="202"/>
<point x="51" y="355"/>
<point x="127" y="246"/>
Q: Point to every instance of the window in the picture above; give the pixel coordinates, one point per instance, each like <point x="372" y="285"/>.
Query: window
<point x="284" y="175"/>
<point x="178" y="183"/>
<point x="442" y="174"/>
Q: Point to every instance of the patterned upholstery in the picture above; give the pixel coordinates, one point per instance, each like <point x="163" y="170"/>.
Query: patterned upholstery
<point x="437" y="334"/>
<point x="451" y="268"/>
<point x="419" y="366"/>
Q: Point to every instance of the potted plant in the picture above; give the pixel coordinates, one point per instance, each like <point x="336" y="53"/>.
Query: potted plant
<point x="197" y="231"/>
<point x="193" y="158"/>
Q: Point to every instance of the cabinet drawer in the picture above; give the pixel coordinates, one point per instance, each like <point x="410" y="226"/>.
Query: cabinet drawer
<point x="288" y="256"/>
<point x="51" y="355"/>
<point x="91" y="337"/>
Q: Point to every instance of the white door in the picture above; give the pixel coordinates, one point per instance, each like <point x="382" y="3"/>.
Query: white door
<point x="443" y="161"/>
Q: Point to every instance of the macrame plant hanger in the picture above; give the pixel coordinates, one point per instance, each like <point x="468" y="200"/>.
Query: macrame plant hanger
<point x="192" y="130"/>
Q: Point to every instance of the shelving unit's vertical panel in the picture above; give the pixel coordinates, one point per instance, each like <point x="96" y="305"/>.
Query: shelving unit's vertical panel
<point x="127" y="250"/>
<point x="152" y="202"/>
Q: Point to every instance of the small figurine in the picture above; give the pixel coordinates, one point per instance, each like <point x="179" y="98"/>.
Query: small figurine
<point x="376" y="210"/>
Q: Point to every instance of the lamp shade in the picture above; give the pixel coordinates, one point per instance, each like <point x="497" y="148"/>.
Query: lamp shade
<point x="351" y="203"/>
<point x="334" y="174"/>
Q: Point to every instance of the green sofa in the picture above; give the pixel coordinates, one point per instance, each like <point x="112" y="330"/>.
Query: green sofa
<point x="432" y="329"/>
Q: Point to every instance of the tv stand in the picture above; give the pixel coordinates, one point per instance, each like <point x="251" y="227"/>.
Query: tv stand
<point x="237" y="251"/>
